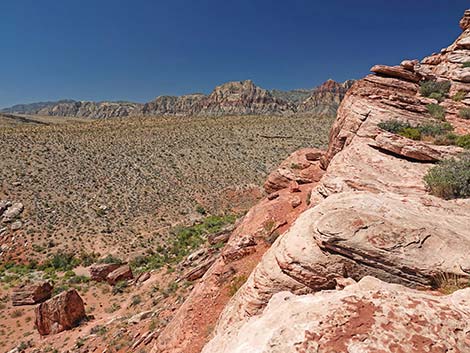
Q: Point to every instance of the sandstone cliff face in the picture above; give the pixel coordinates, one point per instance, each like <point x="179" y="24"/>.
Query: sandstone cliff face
<point x="231" y="98"/>
<point x="325" y="99"/>
<point x="92" y="110"/>
<point x="174" y="105"/>
<point x="369" y="215"/>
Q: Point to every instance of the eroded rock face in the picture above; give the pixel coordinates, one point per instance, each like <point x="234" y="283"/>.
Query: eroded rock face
<point x="301" y="167"/>
<point x="60" y="313"/>
<point x="368" y="317"/>
<point x="92" y="110"/>
<point x="325" y="99"/>
<point x="370" y="215"/>
<point x="32" y="293"/>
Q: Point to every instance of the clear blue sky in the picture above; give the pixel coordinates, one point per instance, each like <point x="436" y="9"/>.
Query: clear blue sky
<point x="138" y="49"/>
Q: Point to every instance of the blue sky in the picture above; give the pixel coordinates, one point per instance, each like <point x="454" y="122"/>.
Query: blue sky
<point x="136" y="50"/>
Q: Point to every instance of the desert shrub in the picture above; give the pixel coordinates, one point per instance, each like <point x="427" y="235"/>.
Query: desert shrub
<point x="201" y="210"/>
<point x="136" y="300"/>
<point x="464" y="113"/>
<point x="435" y="89"/>
<point x="119" y="287"/>
<point x="236" y="283"/>
<point x="436" y="111"/>
<point x="450" y="178"/>
<point x="110" y="259"/>
<point x="415" y="132"/>
<point x="463" y="141"/>
<point x="393" y="125"/>
<point x="434" y="129"/>
<point x="466" y="64"/>
<point x="459" y="96"/>
<point x="411" y="133"/>
<point x="61" y="261"/>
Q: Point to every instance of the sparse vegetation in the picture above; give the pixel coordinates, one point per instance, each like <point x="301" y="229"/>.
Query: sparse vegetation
<point x="466" y="64"/>
<point x="464" y="113"/>
<point x="236" y="283"/>
<point x="436" y="111"/>
<point x="450" y="179"/>
<point x="415" y="132"/>
<point x="459" y="96"/>
<point x="435" y="89"/>
<point x="116" y="186"/>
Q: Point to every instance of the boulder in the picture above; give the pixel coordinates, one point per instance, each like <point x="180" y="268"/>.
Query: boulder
<point x="396" y="72"/>
<point x="33" y="293"/>
<point x="4" y="205"/>
<point x="367" y="317"/>
<point x="60" y="313"/>
<point x="99" y="272"/>
<point x="13" y="211"/>
<point x="199" y="270"/>
<point x="122" y="273"/>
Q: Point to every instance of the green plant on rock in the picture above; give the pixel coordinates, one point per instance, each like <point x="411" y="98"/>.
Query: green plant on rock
<point x="466" y="64"/>
<point x="463" y="141"/>
<point x="436" y="111"/>
<point x="450" y="179"/>
<point x="464" y="113"/>
<point x="411" y="133"/>
<point x="459" y="96"/>
<point x="435" y="89"/>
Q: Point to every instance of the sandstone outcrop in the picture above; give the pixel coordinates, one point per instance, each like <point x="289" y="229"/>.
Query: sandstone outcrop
<point x="122" y="273"/>
<point x="11" y="211"/>
<point x="100" y="272"/>
<point x="31" y="293"/>
<point x="369" y="214"/>
<point x="368" y="317"/>
<point x="300" y="167"/>
<point x="60" y="313"/>
<point x="262" y="225"/>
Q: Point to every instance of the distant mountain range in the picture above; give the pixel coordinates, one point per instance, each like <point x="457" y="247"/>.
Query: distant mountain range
<point x="231" y="98"/>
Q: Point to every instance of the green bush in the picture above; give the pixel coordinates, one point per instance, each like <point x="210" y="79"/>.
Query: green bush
<point x="436" y="111"/>
<point x="464" y="113"/>
<point x="467" y="64"/>
<point x="459" y="96"/>
<point x="434" y="129"/>
<point x="411" y="133"/>
<point x="183" y="241"/>
<point x="463" y="141"/>
<point x="110" y="259"/>
<point x="407" y="130"/>
<point x="437" y="89"/>
<point x="450" y="179"/>
<point x="393" y="125"/>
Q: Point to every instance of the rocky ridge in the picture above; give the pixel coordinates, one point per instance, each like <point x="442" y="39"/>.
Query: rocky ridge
<point x="367" y="214"/>
<point x="231" y="98"/>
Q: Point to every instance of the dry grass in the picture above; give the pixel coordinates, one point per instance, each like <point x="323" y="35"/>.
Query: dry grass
<point x="114" y="185"/>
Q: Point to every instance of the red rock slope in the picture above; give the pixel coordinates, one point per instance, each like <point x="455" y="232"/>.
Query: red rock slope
<point x="370" y="215"/>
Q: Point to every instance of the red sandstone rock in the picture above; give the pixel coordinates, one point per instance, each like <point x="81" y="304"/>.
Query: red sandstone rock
<point x="301" y="166"/>
<point x="122" y="273"/>
<point x="99" y="272"/>
<point x="465" y="21"/>
<point x="397" y="72"/>
<point x="367" y="317"/>
<point x="33" y="293"/>
<point x="60" y="313"/>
